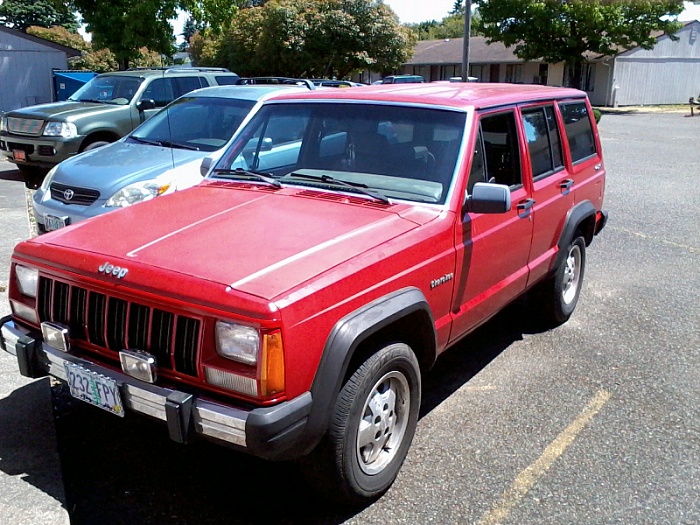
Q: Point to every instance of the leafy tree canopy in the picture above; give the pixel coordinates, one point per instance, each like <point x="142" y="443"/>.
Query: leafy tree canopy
<point x="309" y="38"/>
<point x="216" y="15"/>
<point x="567" y="30"/>
<point x="60" y="35"/>
<point x="126" y="26"/>
<point x="21" y="14"/>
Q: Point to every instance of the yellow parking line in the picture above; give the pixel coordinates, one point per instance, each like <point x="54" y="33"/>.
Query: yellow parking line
<point x="528" y="477"/>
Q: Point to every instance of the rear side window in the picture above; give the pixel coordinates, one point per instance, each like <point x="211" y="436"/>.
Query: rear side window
<point x="543" y="141"/>
<point x="226" y="80"/>
<point x="186" y="84"/>
<point x="579" y="130"/>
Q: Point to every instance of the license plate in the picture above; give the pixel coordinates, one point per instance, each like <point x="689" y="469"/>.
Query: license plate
<point x="19" y="155"/>
<point x="94" y="388"/>
<point x="52" y="222"/>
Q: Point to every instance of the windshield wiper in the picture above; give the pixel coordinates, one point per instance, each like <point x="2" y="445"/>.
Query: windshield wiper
<point x="145" y="141"/>
<point x="265" y="177"/>
<point x="91" y="100"/>
<point x="357" y="186"/>
<point x="179" y="145"/>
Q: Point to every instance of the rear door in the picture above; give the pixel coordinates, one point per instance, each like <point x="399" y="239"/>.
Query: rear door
<point x="493" y="249"/>
<point x="551" y="184"/>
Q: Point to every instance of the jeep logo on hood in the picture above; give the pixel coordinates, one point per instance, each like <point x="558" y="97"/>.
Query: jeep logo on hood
<point x="110" y="269"/>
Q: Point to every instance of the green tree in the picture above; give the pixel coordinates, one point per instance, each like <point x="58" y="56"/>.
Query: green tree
<point x="126" y="26"/>
<point x="22" y="14"/>
<point x="314" y="38"/>
<point x="60" y="35"/>
<point x="566" y="30"/>
<point x="451" y="26"/>
<point x="216" y="15"/>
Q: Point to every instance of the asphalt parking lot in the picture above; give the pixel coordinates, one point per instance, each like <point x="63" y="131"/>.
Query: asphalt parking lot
<point x="594" y="422"/>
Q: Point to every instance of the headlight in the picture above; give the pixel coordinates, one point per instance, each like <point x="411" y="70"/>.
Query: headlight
<point x="237" y="342"/>
<point x="47" y="180"/>
<point x="27" y="280"/>
<point x="67" y="130"/>
<point x="3" y="123"/>
<point x="137" y="192"/>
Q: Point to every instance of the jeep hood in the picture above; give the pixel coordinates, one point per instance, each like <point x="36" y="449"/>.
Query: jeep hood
<point x="68" y="110"/>
<point x="116" y="165"/>
<point x="260" y="240"/>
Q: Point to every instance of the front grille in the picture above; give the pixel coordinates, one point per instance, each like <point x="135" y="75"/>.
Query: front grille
<point x="25" y="126"/>
<point x="112" y="324"/>
<point x="80" y="196"/>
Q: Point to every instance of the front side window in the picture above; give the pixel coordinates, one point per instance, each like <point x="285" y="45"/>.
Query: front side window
<point x="401" y="152"/>
<point x="500" y="150"/>
<point x="109" y="89"/>
<point x="579" y="130"/>
<point x="196" y="123"/>
<point x="543" y="141"/>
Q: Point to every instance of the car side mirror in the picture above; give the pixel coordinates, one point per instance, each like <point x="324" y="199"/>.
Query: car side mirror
<point x="145" y="104"/>
<point x="205" y="166"/>
<point x="488" y="198"/>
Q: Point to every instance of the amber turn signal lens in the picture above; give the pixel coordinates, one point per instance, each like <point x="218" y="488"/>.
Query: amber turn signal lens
<point x="272" y="373"/>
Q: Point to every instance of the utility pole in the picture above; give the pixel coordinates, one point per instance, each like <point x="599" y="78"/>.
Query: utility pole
<point x="467" y="35"/>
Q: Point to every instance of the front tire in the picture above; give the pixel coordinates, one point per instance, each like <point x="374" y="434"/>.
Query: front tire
<point x="94" y="145"/>
<point x="371" y="428"/>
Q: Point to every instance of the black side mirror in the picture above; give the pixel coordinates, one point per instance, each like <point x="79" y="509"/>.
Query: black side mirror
<point x="488" y="198"/>
<point x="205" y="166"/>
<point x="145" y="104"/>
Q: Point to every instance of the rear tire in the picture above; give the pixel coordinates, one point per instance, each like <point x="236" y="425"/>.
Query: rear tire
<point x="559" y="293"/>
<point x="370" y="430"/>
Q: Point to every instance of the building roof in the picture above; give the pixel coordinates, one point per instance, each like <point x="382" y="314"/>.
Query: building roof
<point x="449" y="51"/>
<point x="69" y="51"/>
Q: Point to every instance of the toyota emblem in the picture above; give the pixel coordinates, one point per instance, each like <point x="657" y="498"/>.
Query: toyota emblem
<point x="68" y="194"/>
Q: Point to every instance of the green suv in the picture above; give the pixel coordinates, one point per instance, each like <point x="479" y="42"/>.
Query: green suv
<point x="105" y="109"/>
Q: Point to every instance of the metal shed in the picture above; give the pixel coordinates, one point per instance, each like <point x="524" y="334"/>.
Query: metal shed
<point x="26" y="65"/>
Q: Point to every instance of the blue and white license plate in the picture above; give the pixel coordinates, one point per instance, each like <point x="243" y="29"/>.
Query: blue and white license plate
<point x="52" y="222"/>
<point x="94" y="388"/>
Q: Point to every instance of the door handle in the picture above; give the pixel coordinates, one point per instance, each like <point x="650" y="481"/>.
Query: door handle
<point x="565" y="185"/>
<point x="524" y="207"/>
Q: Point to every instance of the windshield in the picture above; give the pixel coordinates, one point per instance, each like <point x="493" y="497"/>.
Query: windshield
<point x="399" y="152"/>
<point x="108" y="90"/>
<point x="197" y="123"/>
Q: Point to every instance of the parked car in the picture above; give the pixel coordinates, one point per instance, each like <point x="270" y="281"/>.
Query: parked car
<point x="105" y="109"/>
<point x="290" y="304"/>
<point x="403" y="79"/>
<point x="159" y="157"/>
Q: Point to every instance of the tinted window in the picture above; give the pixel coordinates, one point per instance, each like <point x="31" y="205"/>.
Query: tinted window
<point x="403" y="152"/>
<point x="543" y="141"/>
<point x="226" y="80"/>
<point x="160" y="91"/>
<point x="204" y="124"/>
<point x="184" y="85"/>
<point x="579" y="130"/>
<point x="501" y="149"/>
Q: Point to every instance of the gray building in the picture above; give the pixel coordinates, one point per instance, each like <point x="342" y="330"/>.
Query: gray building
<point x="26" y="63"/>
<point x="669" y="73"/>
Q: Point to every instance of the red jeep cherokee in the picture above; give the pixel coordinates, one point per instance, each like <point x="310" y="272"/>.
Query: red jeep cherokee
<point x="290" y="303"/>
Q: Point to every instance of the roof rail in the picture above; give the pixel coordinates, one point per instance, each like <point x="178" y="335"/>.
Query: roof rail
<point x="247" y="81"/>
<point x="177" y="69"/>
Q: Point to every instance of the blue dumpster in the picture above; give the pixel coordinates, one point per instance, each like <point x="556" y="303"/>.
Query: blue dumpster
<point x="65" y="83"/>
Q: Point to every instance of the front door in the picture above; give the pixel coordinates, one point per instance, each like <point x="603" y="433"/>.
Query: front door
<point x="493" y="249"/>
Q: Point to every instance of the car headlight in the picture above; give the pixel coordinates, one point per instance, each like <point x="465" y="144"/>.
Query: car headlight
<point x="137" y="192"/>
<point x="3" y="124"/>
<point x="237" y="342"/>
<point x="27" y="280"/>
<point x="45" y="185"/>
<point x="67" y="130"/>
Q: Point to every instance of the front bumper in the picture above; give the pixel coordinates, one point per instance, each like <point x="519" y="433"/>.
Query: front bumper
<point x="273" y="433"/>
<point x="41" y="152"/>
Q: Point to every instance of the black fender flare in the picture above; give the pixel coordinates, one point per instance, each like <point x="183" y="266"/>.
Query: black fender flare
<point x="579" y="214"/>
<point x="345" y="338"/>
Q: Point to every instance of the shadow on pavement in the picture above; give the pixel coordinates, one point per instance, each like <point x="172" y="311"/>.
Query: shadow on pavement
<point x="27" y="438"/>
<point x="12" y="175"/>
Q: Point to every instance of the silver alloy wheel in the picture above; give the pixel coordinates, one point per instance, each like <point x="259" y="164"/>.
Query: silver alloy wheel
<point x="384" y="420"/>
<point x="572" y="274"/>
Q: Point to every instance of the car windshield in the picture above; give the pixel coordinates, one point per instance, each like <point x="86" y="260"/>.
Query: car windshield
<point x="108" y="89"/>
<point x="197" y="123"/>
<point x="390" y="151"/>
